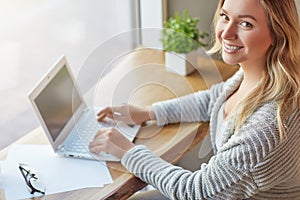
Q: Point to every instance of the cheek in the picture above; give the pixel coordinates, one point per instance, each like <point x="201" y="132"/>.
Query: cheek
<point x="267" y="40"/>
<point x="219" y="30"/>
<point x="260" y="41"/>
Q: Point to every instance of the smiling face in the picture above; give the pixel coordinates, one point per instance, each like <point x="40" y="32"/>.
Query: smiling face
<point x="243" y="32"/>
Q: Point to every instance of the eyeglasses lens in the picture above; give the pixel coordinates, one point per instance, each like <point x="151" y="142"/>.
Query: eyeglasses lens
<point x="32" y="182"/>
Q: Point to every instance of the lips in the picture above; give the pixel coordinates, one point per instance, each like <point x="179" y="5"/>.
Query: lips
<point x="231" y="48"/>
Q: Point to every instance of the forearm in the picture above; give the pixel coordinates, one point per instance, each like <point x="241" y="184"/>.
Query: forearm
<point x="216" y="180"/>
<point x="150" y="112"/>
<point x="190" y="108"/>
<point x="137" y="161"/>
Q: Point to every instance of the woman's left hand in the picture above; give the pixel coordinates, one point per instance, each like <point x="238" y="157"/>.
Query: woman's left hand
<point x="111" y="141"/>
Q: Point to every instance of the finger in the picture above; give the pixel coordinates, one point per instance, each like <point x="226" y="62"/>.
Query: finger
<point x="110" y="112"/>
<point x="117" y="116"/>
<point x="98" y="140"/>
<point x="101" y="140"/>
<point x="101" y="132"/>
<point x="98" y="144"/>
<point x="122" y="113"/>
<point x="96" y="148"/>
<point x="105" y="111"/>
<point x="103" y="116"/>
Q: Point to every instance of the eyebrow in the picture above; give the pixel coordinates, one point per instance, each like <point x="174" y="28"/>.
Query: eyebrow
<point x="241" y="16"/>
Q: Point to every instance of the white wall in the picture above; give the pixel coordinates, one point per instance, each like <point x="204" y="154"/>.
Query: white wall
<point x="148" y="18"/>
<point x="154" y="12"/>
<point x="152" y="16"/>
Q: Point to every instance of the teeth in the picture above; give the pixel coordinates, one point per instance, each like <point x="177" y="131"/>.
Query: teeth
<point x="232" y="47"/>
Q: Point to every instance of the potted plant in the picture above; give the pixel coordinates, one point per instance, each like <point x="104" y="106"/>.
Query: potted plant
<point x="181" y="39"/>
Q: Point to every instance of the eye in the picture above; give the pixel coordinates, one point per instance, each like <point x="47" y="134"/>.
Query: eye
<point x="246" y="24"/>
<point x="224" y="17"/>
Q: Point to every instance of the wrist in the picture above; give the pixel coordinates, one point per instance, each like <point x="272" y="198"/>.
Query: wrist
<point x="126" y="149"/>
<point x="150" y="113"/>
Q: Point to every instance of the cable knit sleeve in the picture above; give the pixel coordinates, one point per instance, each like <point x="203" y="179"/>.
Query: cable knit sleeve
<point x="233" y="173"/>
<point x="218" y="179"/>
<point x="196" y="107"/>
<point x="190" y="108"/>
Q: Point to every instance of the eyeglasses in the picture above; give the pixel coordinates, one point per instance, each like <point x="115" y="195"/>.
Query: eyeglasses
<point x="31" y="179"/>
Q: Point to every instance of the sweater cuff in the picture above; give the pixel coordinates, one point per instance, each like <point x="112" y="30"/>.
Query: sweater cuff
<point x="131" y="154"/>
<point x="159" y="114"/>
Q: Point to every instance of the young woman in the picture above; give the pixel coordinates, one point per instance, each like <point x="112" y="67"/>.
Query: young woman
<point x="254" y="116"/>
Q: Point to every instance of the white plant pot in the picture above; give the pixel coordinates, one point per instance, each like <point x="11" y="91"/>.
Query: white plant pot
<point x="182" y="64"/>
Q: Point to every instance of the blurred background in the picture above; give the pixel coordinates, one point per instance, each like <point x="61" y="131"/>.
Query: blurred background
<point x="34" y="34"/>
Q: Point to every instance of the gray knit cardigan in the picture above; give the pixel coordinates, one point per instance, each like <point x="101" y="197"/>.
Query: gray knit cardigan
<point x="251" y="164"/>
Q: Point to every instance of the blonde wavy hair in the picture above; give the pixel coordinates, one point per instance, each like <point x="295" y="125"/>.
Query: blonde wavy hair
<point x="281" y="83"/>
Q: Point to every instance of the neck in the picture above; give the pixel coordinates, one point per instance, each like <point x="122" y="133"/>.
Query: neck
<point x="252" y="76"/>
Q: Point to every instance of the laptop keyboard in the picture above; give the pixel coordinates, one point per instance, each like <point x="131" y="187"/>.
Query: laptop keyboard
<point x="85" y="134"/>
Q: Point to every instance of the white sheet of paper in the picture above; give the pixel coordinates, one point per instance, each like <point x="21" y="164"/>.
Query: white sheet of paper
<point x="58" y="174"/>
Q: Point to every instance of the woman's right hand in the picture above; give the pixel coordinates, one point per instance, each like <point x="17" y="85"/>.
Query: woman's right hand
<point x="130" y="114"/>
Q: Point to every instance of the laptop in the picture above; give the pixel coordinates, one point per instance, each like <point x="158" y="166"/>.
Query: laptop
<point x="65" y="118"/>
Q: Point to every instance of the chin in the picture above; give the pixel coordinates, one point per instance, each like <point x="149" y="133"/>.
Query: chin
<point x="229" y="61"/>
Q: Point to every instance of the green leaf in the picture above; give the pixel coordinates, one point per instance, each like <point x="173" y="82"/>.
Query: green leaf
<point x="180" y="34"/>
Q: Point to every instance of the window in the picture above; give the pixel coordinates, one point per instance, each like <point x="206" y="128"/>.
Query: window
<point x="34" y="34"/>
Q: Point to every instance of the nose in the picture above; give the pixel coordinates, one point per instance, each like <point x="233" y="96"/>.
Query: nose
<point x="229" y="32"/>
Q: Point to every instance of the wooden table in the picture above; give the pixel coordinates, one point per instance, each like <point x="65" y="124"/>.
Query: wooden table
<point x="140" y="78"/>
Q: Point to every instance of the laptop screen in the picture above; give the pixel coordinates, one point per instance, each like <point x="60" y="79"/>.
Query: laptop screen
<point x="58" y="101"/>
